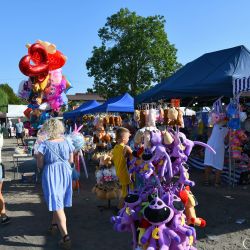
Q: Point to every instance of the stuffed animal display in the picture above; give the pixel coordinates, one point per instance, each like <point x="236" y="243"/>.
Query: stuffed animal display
<point x="107" y="185"/>
<point x="161" y="210"/>
<point x="168" y="116"/>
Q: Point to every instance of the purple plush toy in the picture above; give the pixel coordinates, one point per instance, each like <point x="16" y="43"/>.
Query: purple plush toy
<point x="186" y="233"/>
<point x="158" y="214"/>
<point x="160" y="153"/>
<point x="128" y="215"/>
<point x="188" y="144"/>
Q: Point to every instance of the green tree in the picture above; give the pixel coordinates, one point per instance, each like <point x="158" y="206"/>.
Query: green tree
<point x="12" y="97"/>
<point x="3" y="101"/>
<point x="134" y="54"/>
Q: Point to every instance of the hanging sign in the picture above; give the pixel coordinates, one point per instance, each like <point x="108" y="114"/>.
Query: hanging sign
<point x="175" y="103"/>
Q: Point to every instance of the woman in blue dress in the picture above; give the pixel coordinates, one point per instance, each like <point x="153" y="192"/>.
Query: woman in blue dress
<point x="55" y="156"/>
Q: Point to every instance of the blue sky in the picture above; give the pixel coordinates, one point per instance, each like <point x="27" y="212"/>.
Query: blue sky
<point x="194" y="26"/>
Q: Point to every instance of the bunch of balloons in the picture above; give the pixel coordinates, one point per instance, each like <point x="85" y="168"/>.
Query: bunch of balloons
<point x="45" y="87"/>
<point x="160" y="211"/>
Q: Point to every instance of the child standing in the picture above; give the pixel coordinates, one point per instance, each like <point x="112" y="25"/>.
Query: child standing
<point x="121" y="153"/>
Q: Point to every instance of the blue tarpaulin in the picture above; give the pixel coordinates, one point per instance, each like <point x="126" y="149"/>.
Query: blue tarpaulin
<point x="79" y="111"/>
<point x="123" y="103"/>
<point x="210" y="75"/>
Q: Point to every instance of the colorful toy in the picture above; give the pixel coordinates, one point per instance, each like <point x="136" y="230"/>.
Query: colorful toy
<point x="190" y="202"/>
<point x="186" y="233"/>
<point x="125" y="221"/>
<point x="158" y="214"/>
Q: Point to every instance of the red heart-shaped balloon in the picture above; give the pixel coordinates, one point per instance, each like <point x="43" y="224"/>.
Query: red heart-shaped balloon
<point x="56" y="60"/>
<point x="41" y="67"/>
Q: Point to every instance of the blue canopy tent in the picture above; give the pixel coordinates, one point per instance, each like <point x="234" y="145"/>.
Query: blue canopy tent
<point x="210" y="75"/>
<point x="123" y="103"/>
<point x="79" y="111"/>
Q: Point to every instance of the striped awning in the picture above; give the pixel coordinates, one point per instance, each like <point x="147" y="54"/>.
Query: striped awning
<point x="241" y="85"/>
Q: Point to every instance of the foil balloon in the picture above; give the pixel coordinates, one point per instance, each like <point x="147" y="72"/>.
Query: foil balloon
<point x="25" y="88"/>
<point x="56" y="58"/>
<point x="40" y="69"/>
<point x="56" y="76"/>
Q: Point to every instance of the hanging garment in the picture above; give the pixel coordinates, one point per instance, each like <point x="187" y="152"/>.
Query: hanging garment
<point x="216" y="141"/>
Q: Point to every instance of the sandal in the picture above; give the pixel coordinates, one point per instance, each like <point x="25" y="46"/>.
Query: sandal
<point x="53" y="229"/>
<point x="5" y="220"/>
<point x="65" y="242"/>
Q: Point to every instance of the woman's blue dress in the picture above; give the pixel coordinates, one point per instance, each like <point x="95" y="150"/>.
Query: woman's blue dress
<point x="57" y="176"/>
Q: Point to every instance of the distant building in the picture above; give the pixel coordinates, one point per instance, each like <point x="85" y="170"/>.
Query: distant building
<point x="80" y="98"/>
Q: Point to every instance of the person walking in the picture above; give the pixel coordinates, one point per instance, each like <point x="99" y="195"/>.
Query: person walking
<point x="9" y="128"/>
<point x="19" y="131"/>
<point x="55" y="156"/>
<point x="4" y="219"/>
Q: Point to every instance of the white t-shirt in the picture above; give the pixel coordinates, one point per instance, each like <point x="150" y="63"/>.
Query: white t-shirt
<point x="9" y="124"/>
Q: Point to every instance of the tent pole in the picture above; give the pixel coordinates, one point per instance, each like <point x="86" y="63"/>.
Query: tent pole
<point x="230" y="156"/>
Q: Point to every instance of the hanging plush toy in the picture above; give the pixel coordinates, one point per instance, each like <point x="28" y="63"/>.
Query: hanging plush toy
<point x="125" y="221"/>
<point x="160" y="153"/>
<point x="172" y="116"/>
<point x="190" y="202"/>
<point x="178" y="224"/>
<point x="158" y="214"/>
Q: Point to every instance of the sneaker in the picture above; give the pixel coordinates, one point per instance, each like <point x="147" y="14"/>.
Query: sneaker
<point x="5" y="220"/>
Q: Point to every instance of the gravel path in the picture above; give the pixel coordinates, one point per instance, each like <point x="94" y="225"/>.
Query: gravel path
<point x="90" y="228"/>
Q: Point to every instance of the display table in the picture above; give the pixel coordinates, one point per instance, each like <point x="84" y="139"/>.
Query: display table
<point x="17" y="158"/>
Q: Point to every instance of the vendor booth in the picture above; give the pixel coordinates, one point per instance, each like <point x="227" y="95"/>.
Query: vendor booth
<point x="123" y="103"/>
<point x="81" y="109"/>
<point x="219" y="74"/>
<point x="209" y="75"/>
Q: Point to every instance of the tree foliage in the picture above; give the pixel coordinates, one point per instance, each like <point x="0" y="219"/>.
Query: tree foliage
<point x="12" y="97"/>
<point x="3" y="101"/>
<point x="134" y="53"/>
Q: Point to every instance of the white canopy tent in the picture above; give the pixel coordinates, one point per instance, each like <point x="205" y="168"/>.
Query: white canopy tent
<point x="16" y="111"/>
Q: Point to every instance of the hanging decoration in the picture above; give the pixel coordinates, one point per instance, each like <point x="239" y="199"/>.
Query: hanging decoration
<point x="46" y="84"/>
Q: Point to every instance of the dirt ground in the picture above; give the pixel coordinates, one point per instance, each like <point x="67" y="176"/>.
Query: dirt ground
<point x="90" y="228"/>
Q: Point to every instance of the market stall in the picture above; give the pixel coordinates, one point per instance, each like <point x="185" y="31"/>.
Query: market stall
<point x="210" y="75"/>
<point x="202" y="81"/>
<point x="123" y="103"/>
<point x="81" y="110"/>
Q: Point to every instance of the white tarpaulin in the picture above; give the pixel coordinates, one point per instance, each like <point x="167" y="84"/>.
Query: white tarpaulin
<point x="15" y="111"/>
<point x="188" y="112"/>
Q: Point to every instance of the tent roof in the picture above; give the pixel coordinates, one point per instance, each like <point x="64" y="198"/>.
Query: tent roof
<point x="209" y="75"/>
<point x="15" y="111"/>
<point x="78" y="111"/>
<point x="123" y="103"/>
